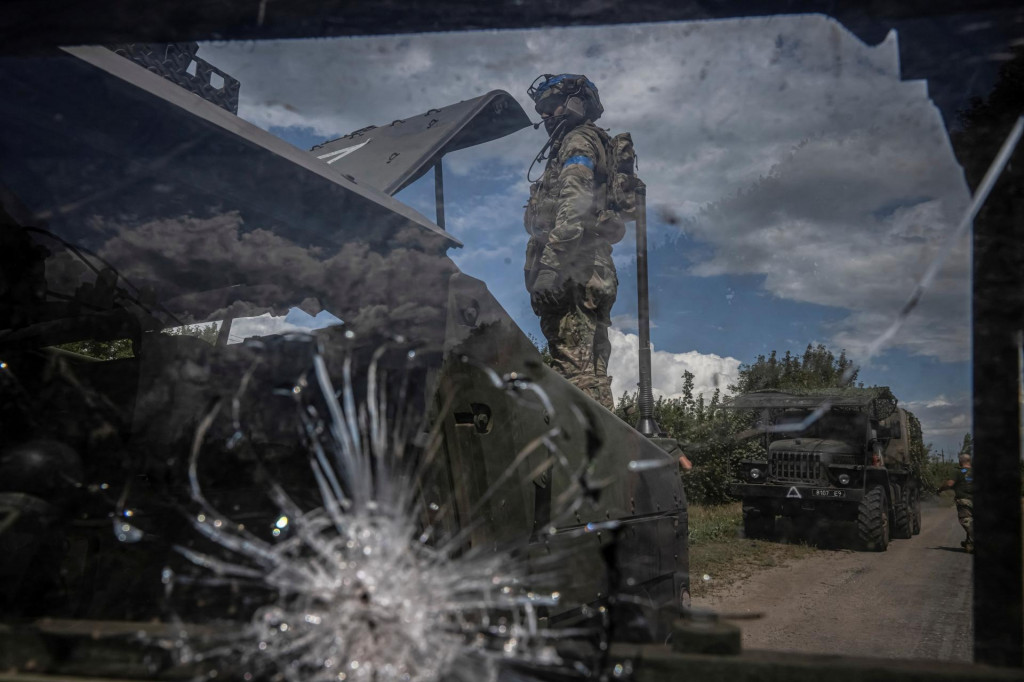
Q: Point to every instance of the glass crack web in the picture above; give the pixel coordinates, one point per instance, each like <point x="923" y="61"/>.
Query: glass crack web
<point x="361" y="588"/>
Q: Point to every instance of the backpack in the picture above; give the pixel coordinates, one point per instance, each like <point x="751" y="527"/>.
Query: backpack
<point x="621" y="184"/>
<point x="617" y="174"/>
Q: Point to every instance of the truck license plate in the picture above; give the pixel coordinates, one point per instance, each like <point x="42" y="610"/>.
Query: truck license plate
<point x="828" y="492"/>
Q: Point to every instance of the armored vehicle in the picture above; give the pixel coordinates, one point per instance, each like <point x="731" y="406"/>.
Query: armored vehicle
<point x="180" y="295"/>
<point x="835" y="455"/>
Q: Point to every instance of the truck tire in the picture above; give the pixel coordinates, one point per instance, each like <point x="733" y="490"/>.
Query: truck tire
<point x="873" y="520"/>
<point x="903" y="527"/>
<point x="758" y="525"/>
<point x="915" y="510"/>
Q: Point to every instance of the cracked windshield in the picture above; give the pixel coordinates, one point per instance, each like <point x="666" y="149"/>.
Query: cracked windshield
<point x="485" y="355"/>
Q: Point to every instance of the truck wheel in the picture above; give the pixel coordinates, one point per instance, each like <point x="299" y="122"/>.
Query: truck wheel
<point x="915" y="510"/>
<point x="758" y="524"/>
<point x="903" y="525"/>
<point x="873" y="520"/>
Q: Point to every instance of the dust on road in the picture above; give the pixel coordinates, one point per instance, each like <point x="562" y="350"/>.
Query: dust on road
<point x="913" y="601"/>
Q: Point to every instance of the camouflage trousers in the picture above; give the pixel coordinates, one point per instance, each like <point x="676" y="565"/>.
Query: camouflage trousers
<point x="965" y="514"/>
<point x="576" y="329"/>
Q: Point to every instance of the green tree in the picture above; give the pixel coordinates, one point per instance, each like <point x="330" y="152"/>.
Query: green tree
<point x="818" y="367"/>
<point x="101" y="350"/>
<point x="204" y="332"/>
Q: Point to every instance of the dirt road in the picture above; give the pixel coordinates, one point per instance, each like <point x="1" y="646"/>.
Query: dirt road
<point x="913" y="601"/>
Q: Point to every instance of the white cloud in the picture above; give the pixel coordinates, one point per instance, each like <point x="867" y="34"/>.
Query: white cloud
<point x="710" y="371"/>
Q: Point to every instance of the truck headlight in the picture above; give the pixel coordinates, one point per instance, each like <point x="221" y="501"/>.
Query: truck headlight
<point x="844" y="479"/>
<point x="756" y="474"/>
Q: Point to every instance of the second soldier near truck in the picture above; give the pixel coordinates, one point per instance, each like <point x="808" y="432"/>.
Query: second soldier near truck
<point x="569" y="270"/>
<point x="963" y="491"/>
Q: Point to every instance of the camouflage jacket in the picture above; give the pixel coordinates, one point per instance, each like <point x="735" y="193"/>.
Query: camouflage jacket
<point x="963" y="484"/>
<point x="562" y="210"/>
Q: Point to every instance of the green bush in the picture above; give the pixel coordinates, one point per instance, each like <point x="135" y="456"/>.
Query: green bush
<point x="934" y="473"/>
<point x="709" y="438"/>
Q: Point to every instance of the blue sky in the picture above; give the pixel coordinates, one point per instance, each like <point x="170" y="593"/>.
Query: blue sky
<point x="797" y="186"/>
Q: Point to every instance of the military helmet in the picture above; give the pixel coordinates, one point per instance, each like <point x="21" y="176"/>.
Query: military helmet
<point x="549" y="91"/>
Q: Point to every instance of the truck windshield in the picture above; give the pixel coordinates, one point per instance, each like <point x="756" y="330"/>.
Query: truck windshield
<point x="846" y="426"/>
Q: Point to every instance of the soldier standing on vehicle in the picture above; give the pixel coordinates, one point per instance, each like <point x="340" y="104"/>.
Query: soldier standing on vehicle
<point x="963" y="492"/>
<point x="569" y="270"/>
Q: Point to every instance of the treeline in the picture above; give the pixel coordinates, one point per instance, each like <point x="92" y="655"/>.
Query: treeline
<point x="816" y="368"/>
<point x="711" y="435"/>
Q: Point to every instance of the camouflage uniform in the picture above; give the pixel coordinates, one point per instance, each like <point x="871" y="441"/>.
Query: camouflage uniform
<point x="963" y="491"/>
<point x="560" y="218"/>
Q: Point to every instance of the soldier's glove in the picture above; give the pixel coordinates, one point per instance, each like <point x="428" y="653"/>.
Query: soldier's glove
<point x="547" y="288"/>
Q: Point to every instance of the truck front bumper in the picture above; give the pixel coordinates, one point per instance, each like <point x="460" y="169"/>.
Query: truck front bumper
<point x="795" y="494"/>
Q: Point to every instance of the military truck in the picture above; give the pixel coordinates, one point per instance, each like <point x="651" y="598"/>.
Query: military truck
<point x="840" y="455"/>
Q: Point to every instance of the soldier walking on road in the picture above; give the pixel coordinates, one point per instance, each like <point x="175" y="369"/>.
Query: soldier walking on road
<point x="569" y="270"/>
<point x="963" y="492"/>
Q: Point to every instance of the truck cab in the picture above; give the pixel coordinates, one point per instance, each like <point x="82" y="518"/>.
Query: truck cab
<point x="841" y="455"/>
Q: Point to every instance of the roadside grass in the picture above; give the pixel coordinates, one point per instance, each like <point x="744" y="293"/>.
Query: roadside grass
<point x="720" y="556"/>
<point x="718" y="522"/>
